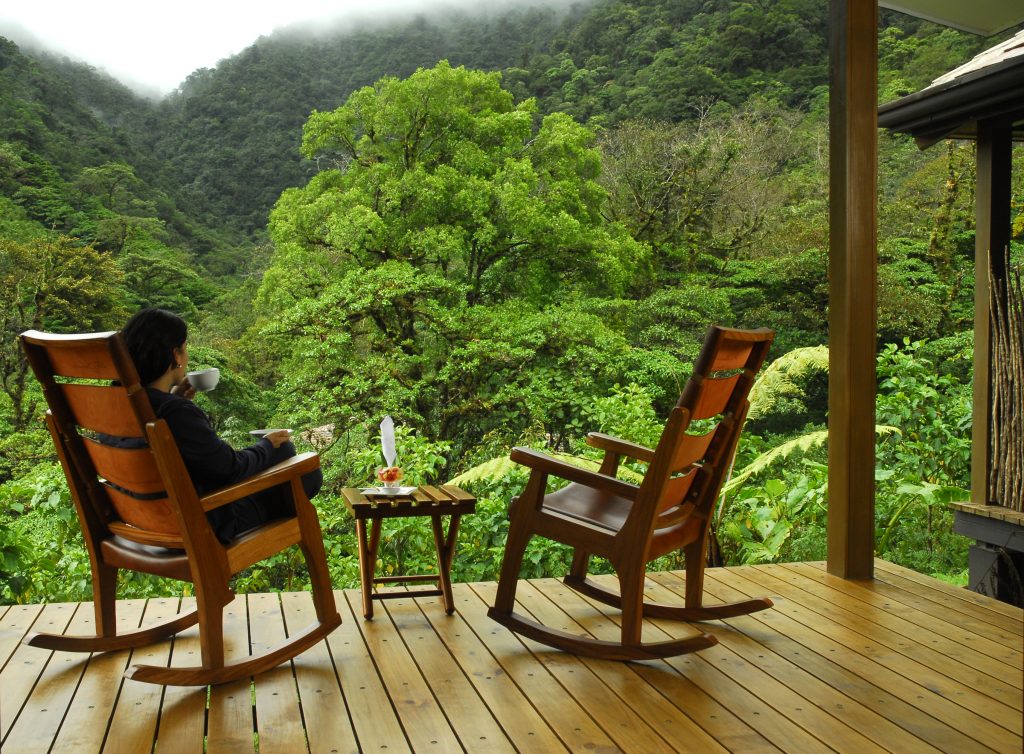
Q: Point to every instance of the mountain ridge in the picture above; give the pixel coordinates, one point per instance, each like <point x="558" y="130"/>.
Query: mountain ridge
<point x="224" y="145"/>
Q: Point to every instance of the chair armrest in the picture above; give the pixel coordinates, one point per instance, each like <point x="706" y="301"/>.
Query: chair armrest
<point x="544" y="463"/>
<point x="619" y="446"/>
<point x="279" y="473"/>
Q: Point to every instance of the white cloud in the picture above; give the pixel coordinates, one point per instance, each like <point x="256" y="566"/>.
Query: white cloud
<point x="152" y="45"/>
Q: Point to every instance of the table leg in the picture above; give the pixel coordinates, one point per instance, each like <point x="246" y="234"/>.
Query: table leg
<point x="365" y="568"/>
<point x="445" y="545"/>
<point x="367" y="561"/>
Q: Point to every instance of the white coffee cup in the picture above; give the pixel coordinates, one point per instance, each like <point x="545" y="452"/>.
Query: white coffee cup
<point x="204" y="380"/>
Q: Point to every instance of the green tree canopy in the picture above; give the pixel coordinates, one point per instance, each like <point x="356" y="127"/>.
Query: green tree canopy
<point x="442" y="171"/>
<point x="55" y="285"/>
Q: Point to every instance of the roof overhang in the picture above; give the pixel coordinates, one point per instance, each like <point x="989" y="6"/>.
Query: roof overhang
<point x="989" y="88"/>
<point x="953" y="109"/>
<point x="984" y="17"/>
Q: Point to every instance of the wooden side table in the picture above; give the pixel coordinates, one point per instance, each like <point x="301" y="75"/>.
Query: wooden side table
<point x="424" y="501"/>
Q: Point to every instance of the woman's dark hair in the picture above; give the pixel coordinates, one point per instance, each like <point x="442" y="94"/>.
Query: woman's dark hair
<point x="151" y="337"/>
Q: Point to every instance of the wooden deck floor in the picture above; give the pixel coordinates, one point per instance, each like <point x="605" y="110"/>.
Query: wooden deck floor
<point x="901" y="664"/>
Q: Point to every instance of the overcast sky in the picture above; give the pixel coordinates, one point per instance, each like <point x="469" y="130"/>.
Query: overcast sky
<point x="156" y="45"/>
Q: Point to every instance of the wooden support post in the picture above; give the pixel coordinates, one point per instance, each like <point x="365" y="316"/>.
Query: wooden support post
<point x="992" y="236"/>
<point x="853" y="158"/>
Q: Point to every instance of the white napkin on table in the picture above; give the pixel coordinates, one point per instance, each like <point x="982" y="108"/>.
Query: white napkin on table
<point x="387" y="440"/>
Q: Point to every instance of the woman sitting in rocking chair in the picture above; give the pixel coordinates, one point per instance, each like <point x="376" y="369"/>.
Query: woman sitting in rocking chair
<point x="156" y="341"/>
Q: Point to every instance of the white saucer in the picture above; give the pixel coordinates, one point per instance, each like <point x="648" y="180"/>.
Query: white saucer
<point x="265" y="432"/>
<point x="387" y="491"/>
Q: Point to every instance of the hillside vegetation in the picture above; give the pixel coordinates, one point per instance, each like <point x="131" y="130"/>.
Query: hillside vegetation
<point x="499" y="229"/>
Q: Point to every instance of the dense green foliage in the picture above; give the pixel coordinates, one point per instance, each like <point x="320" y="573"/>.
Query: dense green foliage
<point x="444" y="275"/>
<point x="500" y="229"/>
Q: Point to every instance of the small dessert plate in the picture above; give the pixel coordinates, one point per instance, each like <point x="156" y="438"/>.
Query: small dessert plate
<point x="387" y="491"/>
<point x="265" y="432"/>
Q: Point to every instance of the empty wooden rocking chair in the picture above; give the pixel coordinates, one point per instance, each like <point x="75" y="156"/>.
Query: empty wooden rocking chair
<point x="630" y="525"/>
<point x="139" y="511"/>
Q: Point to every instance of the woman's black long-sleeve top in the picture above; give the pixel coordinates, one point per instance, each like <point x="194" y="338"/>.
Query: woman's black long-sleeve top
<point x="210" y="461"/>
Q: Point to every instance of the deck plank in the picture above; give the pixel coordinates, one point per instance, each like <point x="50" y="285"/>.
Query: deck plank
<point x="277" y="711"/>
<point x="870" y="644"/>
<point x="230" y="713"/>
<point x="948" y="608"/>
<point x="918" y="684"/>
<point x="963" y="656"/>
<point x="27" y="664"/>
<point x="717" y="717"/>
<point x="938" y="602"/>
<point x="574" y="726"/>
<point x="524" y="727"/>
<point x="953" y="607"/>
<point x="891" y="602"/>
<point x="617" y="698"/>
<point x="685" y="717"/>
<point x="467" y="713"/>
<point x="825" y="731"/>
<point x="902" y="663"/>
<point x="819" y="651"/>
<point x="182" y="726"/>
<point x="40" y="720"/>
<point x="902" y="633"/>
<point x="133" y="723"/>
<point x="14" y="624"/>
<point x="422" y="718"/>
<point x="324" y="712"/>
<point x="979" y="604"/>
<point x="754" y="643"/>
<point x="372" y="712"/>
<point x="98" y="691"/>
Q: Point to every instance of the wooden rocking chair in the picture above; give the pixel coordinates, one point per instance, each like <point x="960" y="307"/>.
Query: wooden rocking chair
<point x="139" y="511"/>
<point x="630" y="525"/>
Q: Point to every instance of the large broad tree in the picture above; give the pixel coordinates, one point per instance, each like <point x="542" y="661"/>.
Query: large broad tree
<point x="442" y="213"/>
<point x="444" y="172"/>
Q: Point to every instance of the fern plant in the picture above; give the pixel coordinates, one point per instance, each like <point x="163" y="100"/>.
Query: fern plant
<point x="781" y="379"/>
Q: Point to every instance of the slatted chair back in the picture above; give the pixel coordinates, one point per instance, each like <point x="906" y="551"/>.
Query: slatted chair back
<point x="700" y="437"/>
<point x="98" y="411"/>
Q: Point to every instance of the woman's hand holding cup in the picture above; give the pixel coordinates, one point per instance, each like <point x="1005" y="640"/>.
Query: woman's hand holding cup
<point x="185" y="389"/>
<point x="279" y="437"/>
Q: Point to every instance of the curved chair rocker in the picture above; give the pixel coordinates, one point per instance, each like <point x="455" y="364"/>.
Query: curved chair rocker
<point x="139" y="511"/>
<point x="630" y="525"/>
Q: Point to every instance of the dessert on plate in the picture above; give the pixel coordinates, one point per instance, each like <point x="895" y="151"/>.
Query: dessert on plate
<point x="390" y="476"/>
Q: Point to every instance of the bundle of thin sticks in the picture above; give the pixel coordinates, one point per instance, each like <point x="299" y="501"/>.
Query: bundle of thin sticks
<point x="1006" y="475"/>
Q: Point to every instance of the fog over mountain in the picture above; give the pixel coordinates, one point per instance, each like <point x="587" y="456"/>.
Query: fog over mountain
<point x="153" y="51"/>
